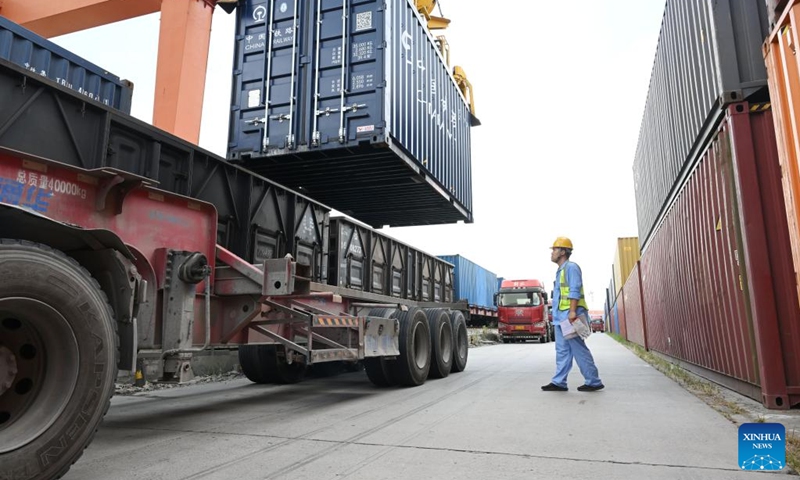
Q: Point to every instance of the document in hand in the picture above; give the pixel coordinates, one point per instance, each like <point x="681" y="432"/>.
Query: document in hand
<point x="580" y="328"/>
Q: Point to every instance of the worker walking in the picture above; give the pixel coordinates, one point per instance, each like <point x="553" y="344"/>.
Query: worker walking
<point x="568" y="304"/>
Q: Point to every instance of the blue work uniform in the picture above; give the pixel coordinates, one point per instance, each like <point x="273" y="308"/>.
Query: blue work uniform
<point x="575" y="348"/>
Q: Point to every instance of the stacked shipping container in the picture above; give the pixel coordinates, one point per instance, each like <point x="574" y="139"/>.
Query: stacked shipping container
<point x="713" y="290"/>
<point x="625" y="257"/>
<point x="784" y="86"/>
<point x="708" y="55"/>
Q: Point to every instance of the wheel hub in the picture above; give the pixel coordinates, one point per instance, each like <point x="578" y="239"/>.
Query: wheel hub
<point x="8" y="369"/>
<point x="38" y="369"/>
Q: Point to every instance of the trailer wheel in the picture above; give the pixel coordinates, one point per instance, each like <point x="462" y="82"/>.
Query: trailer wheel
<point x="377" y="368"/>
<point x="460" y="341"/>
<point x="262" y="364"/>
<point x="412" y="366"/>
<point x="58" y="360"/>
<point x="253" y="361"/>
<point x="441" y="329"/>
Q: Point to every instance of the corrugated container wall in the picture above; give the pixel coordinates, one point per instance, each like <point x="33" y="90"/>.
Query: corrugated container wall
<point x="37" y="54"/>
<point x="364" y="259"/>
<point x="625" y="257"/>
<point x="708" y="55"/>
<point x="718" y="290"/>
<point x="351" y="102"/>
<point x="783" y="68"/>
<point x="623" y="327"/>
<point x="473" y="283"/>
<point x="634" y="314"/>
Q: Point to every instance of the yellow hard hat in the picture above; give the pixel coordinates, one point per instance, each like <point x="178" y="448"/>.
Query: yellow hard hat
<point x="562" y="242"/>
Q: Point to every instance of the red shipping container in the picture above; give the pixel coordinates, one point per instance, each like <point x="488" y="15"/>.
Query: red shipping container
<point x="718" y="292"/>
<point x="623" y="329"/>
<point x="634" y="314"/>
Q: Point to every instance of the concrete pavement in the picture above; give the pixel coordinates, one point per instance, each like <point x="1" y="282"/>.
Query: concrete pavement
<point x="491" y="421"/>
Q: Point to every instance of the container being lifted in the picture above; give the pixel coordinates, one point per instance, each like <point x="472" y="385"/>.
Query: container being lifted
<point x="352" y="103"/>
<point x="103" y="264"/>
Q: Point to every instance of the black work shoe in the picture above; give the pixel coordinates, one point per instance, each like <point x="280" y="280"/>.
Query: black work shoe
<point x="590" y="388"/>
<point x="551" y="387"/>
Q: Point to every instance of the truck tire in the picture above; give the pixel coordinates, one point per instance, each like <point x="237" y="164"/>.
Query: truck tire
<point x="58" y="360"/>
<point x="252" y="359"/>
<point x="460" y="341"/>
<point x="441" y="329"/>
<point x="262" y="364"/>
<point x="412" y="366"/>
<point x="377" y="368"/>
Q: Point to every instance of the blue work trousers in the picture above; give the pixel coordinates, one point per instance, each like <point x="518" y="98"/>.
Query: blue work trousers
<point x="575" y="348"/>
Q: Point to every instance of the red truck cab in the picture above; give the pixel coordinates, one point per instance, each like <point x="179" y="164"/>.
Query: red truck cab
<point x="596" y="321"/>
<point x="522" y="312"/>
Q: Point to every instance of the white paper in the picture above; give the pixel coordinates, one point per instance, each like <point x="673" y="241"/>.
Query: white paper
<point x="566" y="327"/>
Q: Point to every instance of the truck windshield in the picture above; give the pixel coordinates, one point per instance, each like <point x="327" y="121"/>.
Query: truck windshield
<point x="516" y="299"/>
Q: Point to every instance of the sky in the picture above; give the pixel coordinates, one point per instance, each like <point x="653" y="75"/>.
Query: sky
<point x="559" y="88"/>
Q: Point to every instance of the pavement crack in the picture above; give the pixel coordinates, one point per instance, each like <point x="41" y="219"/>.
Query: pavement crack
<point x="525" y="455"/>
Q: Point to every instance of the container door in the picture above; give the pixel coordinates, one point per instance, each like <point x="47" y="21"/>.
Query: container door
<point x="267" y="82"/>
<point x="348" y="74"/>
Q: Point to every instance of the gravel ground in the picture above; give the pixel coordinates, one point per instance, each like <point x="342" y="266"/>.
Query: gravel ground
<point x="128" y="389"/>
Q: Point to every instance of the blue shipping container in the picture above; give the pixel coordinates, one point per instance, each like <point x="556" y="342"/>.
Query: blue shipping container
<point x="351" y="102"/>
<point x="472" y="283"/>
<point x="37" y="54"/>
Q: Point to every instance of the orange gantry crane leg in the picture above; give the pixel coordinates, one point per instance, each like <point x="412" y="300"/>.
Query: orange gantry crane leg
<point x="183" y="43"/>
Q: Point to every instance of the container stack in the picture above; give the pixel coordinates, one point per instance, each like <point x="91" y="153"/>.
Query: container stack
<point x="715" y="288"/>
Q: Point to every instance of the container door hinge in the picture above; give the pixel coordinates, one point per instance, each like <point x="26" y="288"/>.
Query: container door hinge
<point x="316" y="138"/>
<point x="290" y="141"/>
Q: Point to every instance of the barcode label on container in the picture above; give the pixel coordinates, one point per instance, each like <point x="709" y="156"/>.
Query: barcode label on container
<point x="363" y="21"/>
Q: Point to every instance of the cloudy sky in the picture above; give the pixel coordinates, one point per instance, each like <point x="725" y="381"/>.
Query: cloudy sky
<point x="559" y="88"/>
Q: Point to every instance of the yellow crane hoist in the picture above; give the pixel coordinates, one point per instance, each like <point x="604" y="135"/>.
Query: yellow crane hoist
<point x="425" y="7"/>
<point x="466" y="89"/>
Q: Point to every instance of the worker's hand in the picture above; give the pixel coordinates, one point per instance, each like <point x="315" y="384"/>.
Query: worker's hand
<point x="572" y="317"/>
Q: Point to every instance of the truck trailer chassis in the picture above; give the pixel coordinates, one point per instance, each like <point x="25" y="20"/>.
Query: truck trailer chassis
<point x="100" y="267"/>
